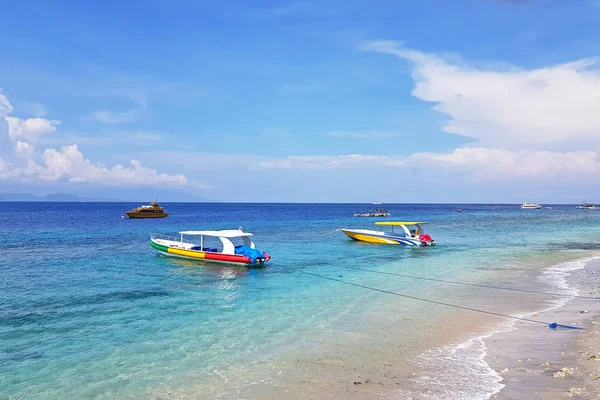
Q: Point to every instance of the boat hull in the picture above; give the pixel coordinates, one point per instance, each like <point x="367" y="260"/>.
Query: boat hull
<point x="136" y="214"/>
<point x="204" y="255"/>
<point x="364" y="235"/>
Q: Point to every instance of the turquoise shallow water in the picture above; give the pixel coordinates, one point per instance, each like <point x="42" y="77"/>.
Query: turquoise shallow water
<point x="88" y="310"/>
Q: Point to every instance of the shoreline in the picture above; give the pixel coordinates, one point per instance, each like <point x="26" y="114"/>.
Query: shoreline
<point x="554" y="364"/>
<point x="463" y="357"/>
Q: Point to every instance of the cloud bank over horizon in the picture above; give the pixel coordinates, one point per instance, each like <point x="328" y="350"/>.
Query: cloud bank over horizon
<point x="519" y="120"/>
<point x="21" y="161"/>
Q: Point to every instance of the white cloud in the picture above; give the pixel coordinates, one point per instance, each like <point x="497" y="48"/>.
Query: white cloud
<point x="508" y="107"/>
<point x="503" y="165"/>
<point x="5" y="106"/>
<point x="478" y="163"/>
<point x="23" y="149"/>
<point x="68" y="164"/>
<point x="30" y="129"/>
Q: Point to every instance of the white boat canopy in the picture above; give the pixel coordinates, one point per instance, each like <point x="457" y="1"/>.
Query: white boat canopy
<point x="224" y="236"/>
<point x="228" y="233"/>
<point x="404" y="226"/>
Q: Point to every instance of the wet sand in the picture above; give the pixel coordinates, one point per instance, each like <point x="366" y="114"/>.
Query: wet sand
<point x="378" y="359"/>
<point x="382" y="367"/>
<point x="541" y="363"/>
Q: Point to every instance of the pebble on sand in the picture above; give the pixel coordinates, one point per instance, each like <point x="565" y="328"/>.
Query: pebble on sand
<point x="563" y="372"/>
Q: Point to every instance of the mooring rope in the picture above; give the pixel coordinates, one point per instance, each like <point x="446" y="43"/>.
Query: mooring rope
<point x="325" y="234"/>
<point x="472" y="284"/>
<point x="552" y="325"/>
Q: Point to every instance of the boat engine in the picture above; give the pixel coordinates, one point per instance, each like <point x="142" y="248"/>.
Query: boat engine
<point x="426" y="240"/>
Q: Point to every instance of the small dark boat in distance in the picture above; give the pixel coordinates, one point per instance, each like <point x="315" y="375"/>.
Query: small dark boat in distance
<point x="154" y="210"/>
<point x="380" y="212"/>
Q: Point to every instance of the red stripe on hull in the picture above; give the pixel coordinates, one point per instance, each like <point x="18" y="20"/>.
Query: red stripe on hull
<point x="227" y="257"/>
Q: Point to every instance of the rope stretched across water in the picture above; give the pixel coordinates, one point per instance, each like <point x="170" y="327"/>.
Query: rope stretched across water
<point x="552" y="325"/>
<point x="472" y="284"/>
<point x="325" y="234"/>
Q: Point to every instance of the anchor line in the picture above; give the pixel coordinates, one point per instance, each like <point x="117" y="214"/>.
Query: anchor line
<point x="472" y="284"/>
<point x="551" y="325"/>
<point x="324" y="234"/>
<point x="329" y="233"/>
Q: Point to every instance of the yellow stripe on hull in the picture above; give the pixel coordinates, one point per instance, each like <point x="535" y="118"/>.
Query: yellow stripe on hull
<point x="187" y="253"/>
<point x="370" y="239"/>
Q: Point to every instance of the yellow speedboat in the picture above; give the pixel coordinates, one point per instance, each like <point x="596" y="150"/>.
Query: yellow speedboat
<point x="408" y="234"/>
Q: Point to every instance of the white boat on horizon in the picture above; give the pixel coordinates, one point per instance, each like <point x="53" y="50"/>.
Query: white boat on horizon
<point x="588" y="206"/>
<point x="530" y="206"/>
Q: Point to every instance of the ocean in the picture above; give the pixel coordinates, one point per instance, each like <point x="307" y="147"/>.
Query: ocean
<point x="89" y="310"/>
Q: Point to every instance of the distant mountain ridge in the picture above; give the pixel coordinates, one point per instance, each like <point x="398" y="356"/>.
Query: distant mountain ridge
<point x="57" y="197"/>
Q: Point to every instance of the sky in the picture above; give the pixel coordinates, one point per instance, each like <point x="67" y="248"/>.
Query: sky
<point x="492" y="101"/>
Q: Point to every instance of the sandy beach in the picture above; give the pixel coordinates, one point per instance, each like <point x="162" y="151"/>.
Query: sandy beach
<point x="471" y="356"/>
<point x="537" y="363"/>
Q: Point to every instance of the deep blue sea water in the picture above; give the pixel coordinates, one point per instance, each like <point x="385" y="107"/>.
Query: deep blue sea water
<point x="89" y="310"/>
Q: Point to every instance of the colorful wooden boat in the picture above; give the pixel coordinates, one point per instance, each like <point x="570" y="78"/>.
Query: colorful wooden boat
<point x="406" y="233"/>
<point x="214" y="246"/>
<point x="154" y="210"/>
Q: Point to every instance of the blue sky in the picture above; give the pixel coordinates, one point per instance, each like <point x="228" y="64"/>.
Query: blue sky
<point x="302" y="100"/>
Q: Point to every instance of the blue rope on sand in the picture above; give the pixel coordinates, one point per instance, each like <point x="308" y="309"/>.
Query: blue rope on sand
<point x="554" y="325"/>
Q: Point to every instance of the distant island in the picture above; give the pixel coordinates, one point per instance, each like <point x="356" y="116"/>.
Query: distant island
<point x="57" y="197"/>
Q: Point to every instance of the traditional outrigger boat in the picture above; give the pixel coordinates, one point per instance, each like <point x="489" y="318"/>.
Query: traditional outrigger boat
<point x="225" y="252"/>
<point x="409" y="234"/>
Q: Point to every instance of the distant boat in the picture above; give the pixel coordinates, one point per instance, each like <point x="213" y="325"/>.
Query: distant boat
<point x="380" y="212"/>
<point x="588" y="206"/>
<point x="376" y="203"/>
<point x="154" y="210"/>
<point x="530" y="206"/>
